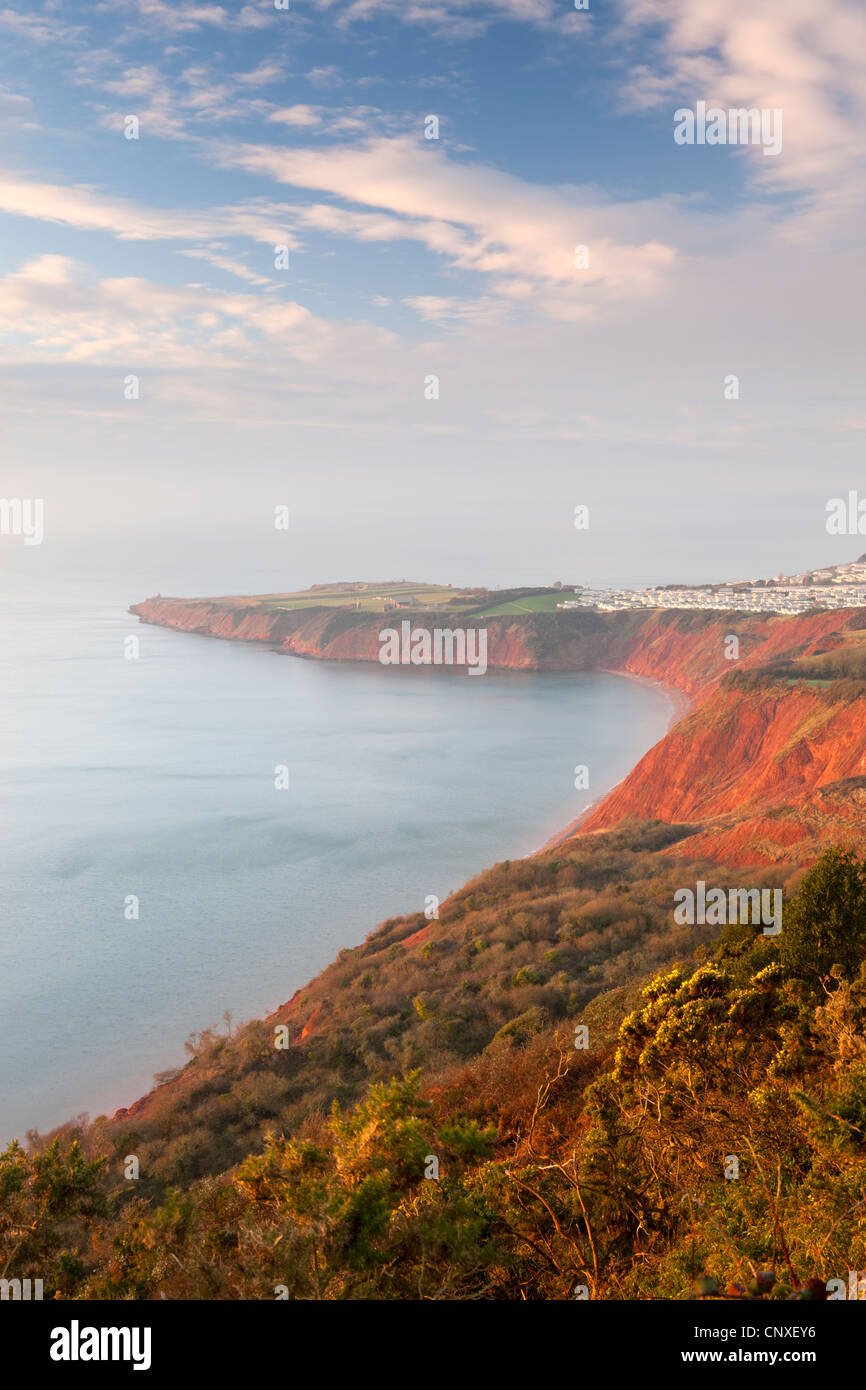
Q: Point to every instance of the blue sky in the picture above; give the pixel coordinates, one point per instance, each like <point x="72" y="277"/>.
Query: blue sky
<point x="411" y="257"/>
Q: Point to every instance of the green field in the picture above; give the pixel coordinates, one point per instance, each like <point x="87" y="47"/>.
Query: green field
<point x="378" y="598"/>
<point x="533" y="603"/>
<point x="374" y="598"/>
<point x="382" y="597"/>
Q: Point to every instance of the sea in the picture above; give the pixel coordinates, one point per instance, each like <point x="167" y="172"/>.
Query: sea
<point x="196" y="828"/>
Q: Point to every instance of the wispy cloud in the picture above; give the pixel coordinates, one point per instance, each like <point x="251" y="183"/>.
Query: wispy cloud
<point x="808" y="61"/>
<point x="298" y="115"/>
<point x="338" y="120"/>
<point x="520" y="238"/>
<point x="68" y="314"/>
<point x="217" y="257"/>
<point x="187" y="17"/>
<point x="481" y="219"/>
<point x="39" y="28"/>
<point x="459" y="19"/>
<point x="85" y="208"/>
<point x="185" y="106"/>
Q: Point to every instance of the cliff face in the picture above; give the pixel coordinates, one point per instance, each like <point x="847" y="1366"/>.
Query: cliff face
<point x="740" y="748"/>
<point x="680" y="649"/>
<point x="243" y="620"/>
<point x="771" y="774"/>
<point x="345" y="634"/>
<point x="688" y="650"/>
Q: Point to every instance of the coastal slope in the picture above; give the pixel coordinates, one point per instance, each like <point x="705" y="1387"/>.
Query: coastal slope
<point x="477" y="1011"/>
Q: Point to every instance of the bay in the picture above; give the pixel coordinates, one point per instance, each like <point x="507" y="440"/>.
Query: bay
<point x="154" y="779"/>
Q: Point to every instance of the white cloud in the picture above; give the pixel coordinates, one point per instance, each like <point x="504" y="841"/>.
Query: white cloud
<point x="185" y="107"/>
<point x="68" y="315"/>
<point x="443" y="311"/>
<point x="263" y="75"/>
<point x="807" y="60"/>
<point x="79" y="206"/>
<point x="188" y="17"/>
<point x="44" y="28"/>
<point x="230" y="264"/>
<point x="298" y="115"/>
<point x="482" y="219"/>
<point x="339" y="120"/>
<point x="519" y="237"/>
<point x="16" y="111"/>
<point x="460" y="19"/>
<point x="328" y="76"/>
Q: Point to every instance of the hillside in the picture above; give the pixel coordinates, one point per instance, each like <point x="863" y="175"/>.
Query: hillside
<point x="706" y="1137"/>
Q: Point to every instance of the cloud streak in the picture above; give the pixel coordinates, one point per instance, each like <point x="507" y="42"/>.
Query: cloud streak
<point x="516" y="234"/>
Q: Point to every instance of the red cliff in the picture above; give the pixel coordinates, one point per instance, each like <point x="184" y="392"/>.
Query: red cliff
<point x="771" y="774"/>
<point x="685" y="650"/>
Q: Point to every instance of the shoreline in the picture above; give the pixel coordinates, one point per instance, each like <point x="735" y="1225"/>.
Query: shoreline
<point x="681" y="705"/>
<point x="124" y="1098"/>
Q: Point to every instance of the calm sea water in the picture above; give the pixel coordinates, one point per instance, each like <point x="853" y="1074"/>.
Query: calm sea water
<point x="155" y="778"/>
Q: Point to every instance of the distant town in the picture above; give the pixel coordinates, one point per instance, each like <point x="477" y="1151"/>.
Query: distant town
<point x="839" y="586"/>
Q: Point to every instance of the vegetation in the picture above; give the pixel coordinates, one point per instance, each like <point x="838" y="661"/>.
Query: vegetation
<point x="840" y="668"/>
<point x="428" y="598"/>
<point x="709" y="1140"/>
<point x="539" y="601"/>
<point x="520" y="949"/>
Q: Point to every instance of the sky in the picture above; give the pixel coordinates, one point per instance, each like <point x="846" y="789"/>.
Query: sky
<point x="281" y="260"/>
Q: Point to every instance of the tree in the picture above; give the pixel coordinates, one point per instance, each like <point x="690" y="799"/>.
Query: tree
<point x="825" y="925"/>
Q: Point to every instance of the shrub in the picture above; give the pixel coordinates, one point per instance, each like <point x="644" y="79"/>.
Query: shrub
<point x="824" y="927"/>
